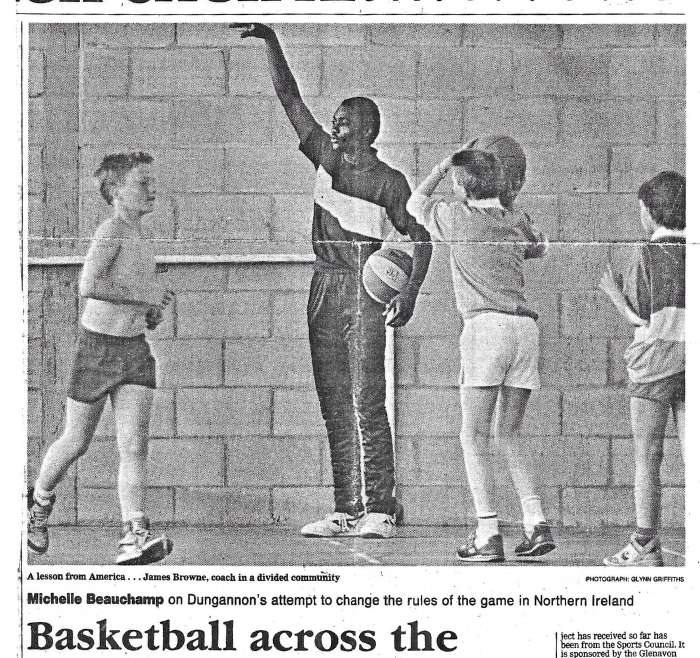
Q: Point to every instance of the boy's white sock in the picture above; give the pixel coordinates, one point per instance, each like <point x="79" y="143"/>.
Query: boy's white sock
<point x="487" y="527"/>
<point x="532" y="513"/>
<point x="42" y="497"/>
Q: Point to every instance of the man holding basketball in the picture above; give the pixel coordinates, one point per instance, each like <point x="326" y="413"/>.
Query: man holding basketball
<point x="359" y="201"/>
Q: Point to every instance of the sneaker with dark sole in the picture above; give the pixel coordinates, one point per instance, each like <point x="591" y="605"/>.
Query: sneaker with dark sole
<point x="378" y="526"/>
<point x="636" y="555"/>
<point x="139" y="546"/>
<point x="491" y="551"/>
<point x="37" y="524"/>
<point x="337" y="524"/>
<point x="540" y="542"/>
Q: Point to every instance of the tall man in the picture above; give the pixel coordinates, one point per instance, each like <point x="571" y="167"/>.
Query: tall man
<point x="358" y="202"/>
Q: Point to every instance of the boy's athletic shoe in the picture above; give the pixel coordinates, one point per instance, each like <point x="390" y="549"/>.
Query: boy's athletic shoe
<point x="539" y="543"/>
<point x="139" y="546"/>
<point x="37" y="524"/>
<point x="491" y="551"/>
<point x="636" y="555"/>
<point x="378" y="526"/>
<point x="337" y="524"/>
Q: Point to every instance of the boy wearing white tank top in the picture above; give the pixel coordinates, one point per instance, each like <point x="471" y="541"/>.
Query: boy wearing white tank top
<point x="113" y="359"/>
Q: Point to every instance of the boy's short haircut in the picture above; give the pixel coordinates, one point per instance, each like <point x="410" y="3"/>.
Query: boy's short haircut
<point x="664" y="198"/>
<point x="479" y="173"/>
<point x="369" y="111"/>
<point x="513" y="160"/>
<point x="114" y="168"/>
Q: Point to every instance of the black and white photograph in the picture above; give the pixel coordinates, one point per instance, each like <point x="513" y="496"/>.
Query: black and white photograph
<point x="358" y="294"/>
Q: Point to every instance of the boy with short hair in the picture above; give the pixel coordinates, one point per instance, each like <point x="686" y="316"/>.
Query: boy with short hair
<point x="113" y="359"/>
<point x="651" y="297"/>
<point x="500" y="343"/>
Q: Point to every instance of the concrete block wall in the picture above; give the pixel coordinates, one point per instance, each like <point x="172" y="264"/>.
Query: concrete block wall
<point x="237" y="435"/>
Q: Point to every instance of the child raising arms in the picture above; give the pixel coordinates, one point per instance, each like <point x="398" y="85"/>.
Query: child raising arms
<point x="652" y="299"/>
<point x="499" y="345"/>
<point x="113" y="359"/>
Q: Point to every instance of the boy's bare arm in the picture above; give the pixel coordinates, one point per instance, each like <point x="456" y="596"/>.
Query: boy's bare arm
<point x="609" y="285"/>
<point x="283" y="80"/>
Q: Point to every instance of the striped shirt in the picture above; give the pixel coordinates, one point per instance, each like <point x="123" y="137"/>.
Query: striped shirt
<point x="654" y="287"/>
<point x="354" y="209"/>
<point x="488" y="245"/>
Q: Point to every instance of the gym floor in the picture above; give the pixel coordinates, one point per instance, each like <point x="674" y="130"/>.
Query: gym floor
<point x="275" y="545"/>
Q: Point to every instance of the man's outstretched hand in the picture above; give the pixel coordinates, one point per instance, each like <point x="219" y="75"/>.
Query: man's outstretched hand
<point x="258" y="30"/>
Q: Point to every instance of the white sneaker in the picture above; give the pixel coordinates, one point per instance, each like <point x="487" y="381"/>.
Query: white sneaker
<point x="378" y="526"/>
<point x="337" y="524"/>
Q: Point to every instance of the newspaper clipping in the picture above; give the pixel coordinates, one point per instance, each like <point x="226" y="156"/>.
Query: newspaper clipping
<point x="334" y="310"/>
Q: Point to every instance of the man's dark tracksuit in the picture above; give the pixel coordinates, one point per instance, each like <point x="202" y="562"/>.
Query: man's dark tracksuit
<point x="354" y="211"/>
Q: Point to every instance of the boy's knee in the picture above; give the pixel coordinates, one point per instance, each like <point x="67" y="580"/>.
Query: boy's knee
<point x="133" y="447"/>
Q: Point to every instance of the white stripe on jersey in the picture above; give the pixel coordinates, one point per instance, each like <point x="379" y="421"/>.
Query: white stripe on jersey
<point x="355" y="215"/>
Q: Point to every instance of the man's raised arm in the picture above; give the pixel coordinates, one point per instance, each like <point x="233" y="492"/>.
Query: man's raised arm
<point x="283" y="80"/>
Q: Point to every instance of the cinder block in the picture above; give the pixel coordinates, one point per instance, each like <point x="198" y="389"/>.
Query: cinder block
<point x="631" y="166"/>
<point x="292" y="217"/>
<point x="35" y="72"/>
<point x="617" y="371"/>
<point x="342" y="34"/>
<point x="595" y="507"/>
<point x="616" y="121"/>
<point x="532" y="120"/>
<point x="668" y="34"/>
<point x="573" y="362"/>
<point x="105" y="72"/>
<point x="433" y="316"/>
<point x="220" y="121"/>
<point x="34" y="412"/>
<point x="673" y="507"/>
<point x="219" y="506"/>
<point x="600" y="218"/>
<point x="543" y="414"/>
<point x="211" y="34"/>
<point x="52" y="35"/>
<point x="127" y="122"/>
<point x="258" y="461"/>
<point x="405" y="360"/>
<point x="670" y="120"/>
<point x="578" y="168"/>
<point x="299" y="505"/>
<point x="36" y="218"/>
<point x="590" y="314"/>
<point x="284" y="276"/>
<point x="144" y="35"/>
<point x="562" y="72"/>
<point x="297" y="412"/>
<point x="190" y="72"/>
<point x="220" y="412"/>
<point x="672" y="466"/>
<point x="600" y="412"/>
<point x="196" y="170"/>
<point x="289" y="314"/>
<point x="268" y="170"/>
<point x="179" y="462"/>
<point x="352" y="71"/>
<point x="436" y="505"/>
<point x="438" y="361"/>
<point x="218" y="315"/>
<point x="101" y="506"/>
<point x="614" y="35"/>
<point x="647" y="72"/>
<point x="435" y="461"/>
<point x="568" y="267"/>
<point x="399" y="121"/>
<point x="61" y="77"/>
<point x="512" y="36"/>
<point x="465" y="72"/>
<point x="230" y="217"/>
<point x="270" y="362"/>
<point x="189" y="362"/>
<point x="544" y="210"/>
<point x="249" y="74"/>
<point x="181" y="278"/>
<point x="35" y="171"/>
<point x="439" y="122"/>
<point x="427" y="411"/>
<point x="414" y="34"/>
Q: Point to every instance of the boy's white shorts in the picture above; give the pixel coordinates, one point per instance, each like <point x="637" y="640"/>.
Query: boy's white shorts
<point x="498" y="348"/>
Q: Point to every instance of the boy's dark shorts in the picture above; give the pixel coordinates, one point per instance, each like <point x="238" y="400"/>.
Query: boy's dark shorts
<point x="668" y="390"/>
<point x="104" y="362"/>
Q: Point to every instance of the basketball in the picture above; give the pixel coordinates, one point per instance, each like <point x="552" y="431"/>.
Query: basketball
<point x="385" y="274"/>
